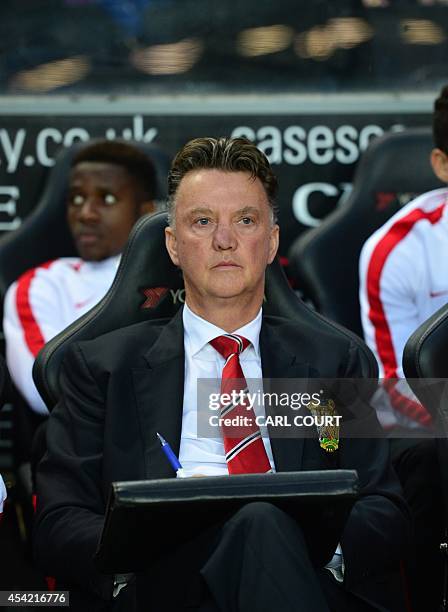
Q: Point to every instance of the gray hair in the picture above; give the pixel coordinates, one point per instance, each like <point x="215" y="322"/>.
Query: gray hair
<point x="227" y="154"/>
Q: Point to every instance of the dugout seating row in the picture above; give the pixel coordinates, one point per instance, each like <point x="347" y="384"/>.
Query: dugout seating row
<point x="324" y="261"/>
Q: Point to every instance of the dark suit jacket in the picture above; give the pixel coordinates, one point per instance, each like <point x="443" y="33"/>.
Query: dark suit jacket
<point x="123" y="387"/>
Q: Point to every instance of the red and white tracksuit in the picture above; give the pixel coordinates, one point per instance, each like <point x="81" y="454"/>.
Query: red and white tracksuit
<point x="43" y="302"/>
<point x="403" y="281"/>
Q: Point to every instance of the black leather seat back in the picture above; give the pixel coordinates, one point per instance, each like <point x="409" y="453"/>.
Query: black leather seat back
<point x="425" y="357"/>
<point x="325" y="260"/>
<point x="425" y="366"/>
<point x="148" y="285"/>
<point x="44" y="234"/>
<point x="425" y="354"/>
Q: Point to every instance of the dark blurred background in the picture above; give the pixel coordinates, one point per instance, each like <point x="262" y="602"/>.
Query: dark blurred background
<point x="216" y="46"/>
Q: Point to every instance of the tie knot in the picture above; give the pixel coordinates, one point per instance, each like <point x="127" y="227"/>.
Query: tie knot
<point x="230" y="344"/>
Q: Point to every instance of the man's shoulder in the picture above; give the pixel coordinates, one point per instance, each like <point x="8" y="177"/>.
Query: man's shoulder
<point x="327" y="347"/>
<point x="428" y="206"/>
<point x="41" y="281"/>
<point x="144" y="331"/>
<point x="425" y="211"/>
<point x="52" y="267"/>
<point x="309" y="327"/>
<point x="123" y="345"/>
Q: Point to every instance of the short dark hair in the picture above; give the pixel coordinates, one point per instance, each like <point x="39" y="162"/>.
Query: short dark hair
<point x="227" y="154"/>
<point x="124" y="154"/>
<point x="440" y="121"/>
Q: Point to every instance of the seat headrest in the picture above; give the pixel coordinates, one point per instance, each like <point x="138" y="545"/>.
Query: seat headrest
<point x="425" y="352"/>
<point x="426" y="367"/>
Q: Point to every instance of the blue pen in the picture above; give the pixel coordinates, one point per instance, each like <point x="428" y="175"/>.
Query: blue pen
<point x="174" y="461"/>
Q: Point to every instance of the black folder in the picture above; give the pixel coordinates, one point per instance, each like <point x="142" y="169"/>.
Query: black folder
<point x="147" y="519"/>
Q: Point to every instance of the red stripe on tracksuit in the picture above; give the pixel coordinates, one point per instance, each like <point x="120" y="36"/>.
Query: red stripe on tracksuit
<point x="383" y="337"/>
<point x="405" y="405"/>
<point x="32" y="332"/>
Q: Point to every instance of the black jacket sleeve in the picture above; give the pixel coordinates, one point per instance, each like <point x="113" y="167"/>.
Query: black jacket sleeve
<point x="70" y="500"/>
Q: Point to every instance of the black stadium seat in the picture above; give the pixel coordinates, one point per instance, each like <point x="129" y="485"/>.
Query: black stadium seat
<point x="324" y="261"/>
<point x="425" y="365"/>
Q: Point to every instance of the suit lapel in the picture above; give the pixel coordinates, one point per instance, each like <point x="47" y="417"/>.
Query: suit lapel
<point x="159" y="391"/>
<point x="279" y="360"/>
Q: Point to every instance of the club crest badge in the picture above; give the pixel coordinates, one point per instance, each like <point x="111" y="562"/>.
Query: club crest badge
<point x="327" y="428"/>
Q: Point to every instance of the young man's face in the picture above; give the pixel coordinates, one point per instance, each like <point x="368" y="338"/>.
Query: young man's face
<point x="102" y="206"/>
<point x="223" y="237"/>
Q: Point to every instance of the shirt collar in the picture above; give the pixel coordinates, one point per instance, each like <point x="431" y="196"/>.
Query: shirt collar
<point x="199" y="332"/>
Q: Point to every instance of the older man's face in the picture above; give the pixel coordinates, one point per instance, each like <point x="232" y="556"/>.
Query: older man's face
<point x="223" y="237"/>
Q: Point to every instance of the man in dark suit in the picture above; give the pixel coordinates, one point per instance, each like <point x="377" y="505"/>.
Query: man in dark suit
<point x="122" y="388"/>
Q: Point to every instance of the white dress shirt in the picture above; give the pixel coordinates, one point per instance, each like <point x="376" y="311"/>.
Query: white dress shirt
<point x="201" y="455"/>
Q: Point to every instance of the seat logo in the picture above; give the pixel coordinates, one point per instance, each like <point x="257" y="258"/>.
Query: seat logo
<point x="153" y="296"/>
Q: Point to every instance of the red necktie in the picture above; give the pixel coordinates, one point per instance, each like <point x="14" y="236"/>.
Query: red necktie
<point x="243" y="445"/>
